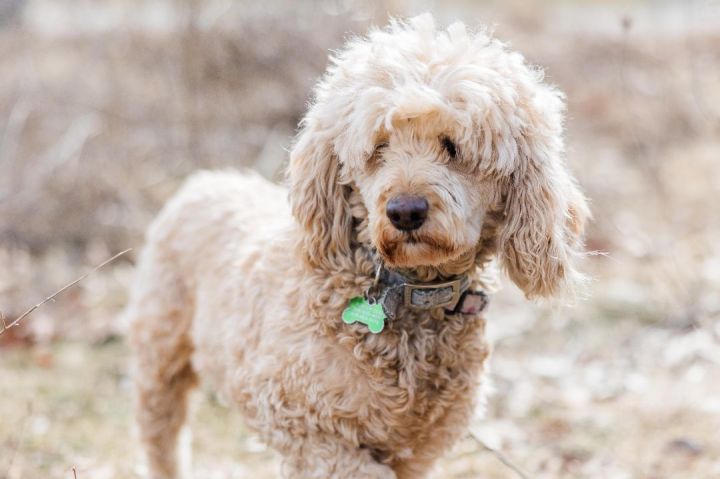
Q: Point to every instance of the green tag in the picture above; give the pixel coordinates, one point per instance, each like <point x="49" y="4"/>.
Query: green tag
<point x="360" y="311"/>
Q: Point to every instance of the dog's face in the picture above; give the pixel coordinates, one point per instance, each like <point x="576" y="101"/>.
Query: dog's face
<point x="433" y="130"/>
<point x="425" y="196"/>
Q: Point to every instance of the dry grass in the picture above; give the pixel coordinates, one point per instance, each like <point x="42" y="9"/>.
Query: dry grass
<point x="98" y="127"/>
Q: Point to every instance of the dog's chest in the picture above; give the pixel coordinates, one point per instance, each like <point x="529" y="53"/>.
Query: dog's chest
<point x="423" y="381"/>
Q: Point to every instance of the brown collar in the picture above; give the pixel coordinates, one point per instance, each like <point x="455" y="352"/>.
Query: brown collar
<point x="393" y="290"/>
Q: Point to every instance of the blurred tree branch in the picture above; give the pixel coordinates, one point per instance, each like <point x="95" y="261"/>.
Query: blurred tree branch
<point x="499" y="455"/>
<point x="16" y="322"/>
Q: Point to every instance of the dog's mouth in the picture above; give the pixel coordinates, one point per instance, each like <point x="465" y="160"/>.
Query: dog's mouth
<point x="412" y="249"/>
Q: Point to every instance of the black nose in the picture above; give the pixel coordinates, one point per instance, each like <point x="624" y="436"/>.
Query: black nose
<point x="407" y="213"/>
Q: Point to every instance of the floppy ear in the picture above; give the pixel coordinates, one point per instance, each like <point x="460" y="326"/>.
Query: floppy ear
<point x="318" y="199"/>
<point x="545" y="211"/>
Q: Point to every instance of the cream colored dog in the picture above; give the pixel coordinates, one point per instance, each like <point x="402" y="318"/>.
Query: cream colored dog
<point x="424" y="155"/>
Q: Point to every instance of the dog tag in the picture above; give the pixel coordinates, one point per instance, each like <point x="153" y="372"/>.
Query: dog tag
<point x="360" y="311"/>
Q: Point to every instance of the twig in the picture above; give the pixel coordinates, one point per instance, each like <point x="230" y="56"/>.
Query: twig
<point x="16" y="322"/>
<point x="499" y="455"/>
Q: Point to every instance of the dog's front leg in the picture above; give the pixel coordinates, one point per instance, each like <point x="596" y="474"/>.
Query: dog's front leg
<point x="325" y="456"/>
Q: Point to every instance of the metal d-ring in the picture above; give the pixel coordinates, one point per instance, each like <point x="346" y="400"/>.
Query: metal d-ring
<point x="371" y="294"/>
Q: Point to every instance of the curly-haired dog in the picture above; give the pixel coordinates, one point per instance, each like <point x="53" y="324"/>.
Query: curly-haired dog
<point x="347" y="326"/>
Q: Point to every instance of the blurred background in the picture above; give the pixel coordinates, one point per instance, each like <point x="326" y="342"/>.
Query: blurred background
<point x="106" y="105"/>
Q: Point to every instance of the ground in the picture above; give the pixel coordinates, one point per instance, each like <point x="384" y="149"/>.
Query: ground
<point x="572" y="398"/>
<point x="106" y="106"/>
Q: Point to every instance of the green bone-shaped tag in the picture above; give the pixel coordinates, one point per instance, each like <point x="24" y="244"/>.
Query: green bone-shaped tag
<point x="360" y="311"/>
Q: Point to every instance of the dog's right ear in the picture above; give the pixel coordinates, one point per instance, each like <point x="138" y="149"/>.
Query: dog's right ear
<point x="318" y="199"/>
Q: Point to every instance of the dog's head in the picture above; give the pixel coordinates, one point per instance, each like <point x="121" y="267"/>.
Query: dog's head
<point x="434" y="130"/>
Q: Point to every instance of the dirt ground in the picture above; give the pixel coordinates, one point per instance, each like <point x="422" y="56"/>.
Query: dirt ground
<point x="106" y="106"/>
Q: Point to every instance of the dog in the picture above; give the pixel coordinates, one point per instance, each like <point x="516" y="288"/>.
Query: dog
<point x="347" y="324"/>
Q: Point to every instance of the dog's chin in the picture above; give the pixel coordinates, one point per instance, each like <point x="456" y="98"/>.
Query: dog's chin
<point x="412" y="250"/>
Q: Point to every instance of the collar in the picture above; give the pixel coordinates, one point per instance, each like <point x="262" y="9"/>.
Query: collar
<point x="393" y="290"/>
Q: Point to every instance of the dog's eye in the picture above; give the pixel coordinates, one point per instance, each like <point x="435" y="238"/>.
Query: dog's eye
<point x="380" y="147"/>
<point x="378" y="150"/>
<point x="376" y="157"/>
<point x="449" y="147"/>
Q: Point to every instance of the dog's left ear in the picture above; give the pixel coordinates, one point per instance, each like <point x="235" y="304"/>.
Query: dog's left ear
<point x="545" y="212"/>
<point x="318" y="198"/>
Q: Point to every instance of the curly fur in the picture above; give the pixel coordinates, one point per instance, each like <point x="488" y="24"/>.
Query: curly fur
<point x="239" y="288"/>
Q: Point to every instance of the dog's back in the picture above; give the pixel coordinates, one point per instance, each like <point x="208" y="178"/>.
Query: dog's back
<point x="216" y="228"/>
